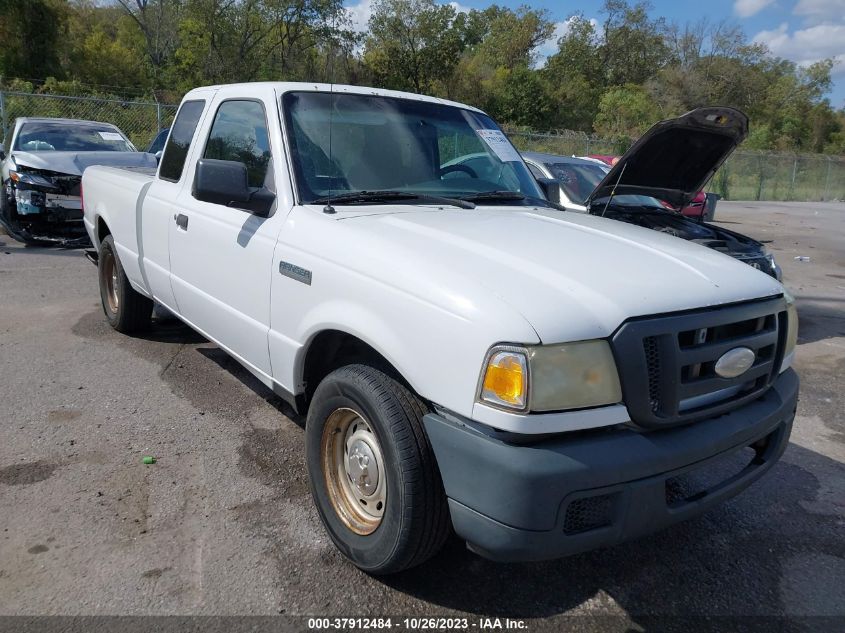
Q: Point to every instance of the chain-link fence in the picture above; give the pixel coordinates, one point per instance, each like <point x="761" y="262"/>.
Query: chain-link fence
<point x="776" y="176"/>
<point x="139" y="120"/>
<point x="565" y="142"/>
<point x="746" y="175"/>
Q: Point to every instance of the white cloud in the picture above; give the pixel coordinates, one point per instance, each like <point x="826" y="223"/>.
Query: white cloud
<point x="747" y="8"/>
<point x="820" y="11"/>
<point x="805" y="46"/>
<point x="820" y="35"/>
<point x="359" y="15"/>
<point x="457" y="6"/>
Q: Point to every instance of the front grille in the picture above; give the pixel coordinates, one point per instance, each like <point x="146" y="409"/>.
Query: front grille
<point x="667" y="363"/>
<point x="652" y="359"/>
<point x="68" y="185"/>
<point x="589" y="513"/>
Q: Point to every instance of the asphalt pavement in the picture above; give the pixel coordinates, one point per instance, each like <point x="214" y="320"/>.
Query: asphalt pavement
<point x="223" y="523"/>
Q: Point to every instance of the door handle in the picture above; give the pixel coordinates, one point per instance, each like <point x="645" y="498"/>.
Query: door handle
<point x="181" y="221"/>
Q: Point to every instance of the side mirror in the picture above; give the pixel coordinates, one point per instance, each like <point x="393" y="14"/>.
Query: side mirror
<point x="551" y="189"/>
<point x="225" y="182"/>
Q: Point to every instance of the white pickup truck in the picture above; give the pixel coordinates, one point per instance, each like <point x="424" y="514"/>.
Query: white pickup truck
<point x="470" y="356"/>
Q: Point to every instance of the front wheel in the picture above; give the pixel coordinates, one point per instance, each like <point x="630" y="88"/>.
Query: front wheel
<point x="126" y="309"/>
<point x="5" y="206"/>
<point x="372" y="472"/>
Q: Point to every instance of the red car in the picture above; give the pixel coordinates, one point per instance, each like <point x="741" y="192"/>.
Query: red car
<point x="703" y="205"/>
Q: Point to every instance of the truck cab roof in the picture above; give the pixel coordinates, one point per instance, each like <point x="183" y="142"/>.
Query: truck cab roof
<point x="282" y="87"/>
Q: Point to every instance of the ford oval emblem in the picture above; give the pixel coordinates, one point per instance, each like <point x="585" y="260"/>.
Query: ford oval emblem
<point x="735" y="362"/>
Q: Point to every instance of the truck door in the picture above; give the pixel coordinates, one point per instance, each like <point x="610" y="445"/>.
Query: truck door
<point x="221" y="257"/>
<point x="155" y="218"/>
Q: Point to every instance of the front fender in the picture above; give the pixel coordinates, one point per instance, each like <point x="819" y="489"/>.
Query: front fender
<point x="434" y="326"/>
<point x="439" y="354"/>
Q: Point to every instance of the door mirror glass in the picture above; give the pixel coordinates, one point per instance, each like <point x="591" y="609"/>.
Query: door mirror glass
<point x="226" y="182"/>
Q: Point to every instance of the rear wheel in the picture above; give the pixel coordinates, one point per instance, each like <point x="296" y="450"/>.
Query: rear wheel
<point x="126" y="309"/>
<point x="372" y="472"/>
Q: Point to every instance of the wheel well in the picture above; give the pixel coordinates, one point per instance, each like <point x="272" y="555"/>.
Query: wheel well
<point x="332" y="349"/>
<point x="102" y="229"/>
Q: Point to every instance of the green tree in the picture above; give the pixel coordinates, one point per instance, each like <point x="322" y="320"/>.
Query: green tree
<point x="222" y="41"/>
<point x="104" y="47"/>
<point x="499" y="48"/>
<point x="519" y="96"/>
<point x="626" y="111"/>
<point x="511" y="38"/>
<point x="29" y="33"/>
<point x="632" y="47"/>
<point x="412" y="44"/>
<point x="158" y="22"/>
<point x="628" y="47"/>
<point x="575" y="77"/>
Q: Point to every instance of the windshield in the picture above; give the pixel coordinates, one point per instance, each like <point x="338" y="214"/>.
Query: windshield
<point x="577" y="179"/>
<point x="63" y="136"/>
<point x="391" y="144"/>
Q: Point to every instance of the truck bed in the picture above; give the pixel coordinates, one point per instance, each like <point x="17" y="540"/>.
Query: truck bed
<point x="116" y="192"/>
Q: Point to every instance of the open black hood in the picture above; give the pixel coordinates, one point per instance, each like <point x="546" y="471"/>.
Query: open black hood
<point x="675" y="158"/>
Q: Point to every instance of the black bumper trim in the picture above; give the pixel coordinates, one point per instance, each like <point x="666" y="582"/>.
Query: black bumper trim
<point x="509" y="501"/>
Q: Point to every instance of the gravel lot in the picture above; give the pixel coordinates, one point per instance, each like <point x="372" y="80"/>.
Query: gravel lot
<point x="223" y="523"/>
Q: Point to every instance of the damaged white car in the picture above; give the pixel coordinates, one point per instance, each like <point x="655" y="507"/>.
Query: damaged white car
<point x="40" y="199"/>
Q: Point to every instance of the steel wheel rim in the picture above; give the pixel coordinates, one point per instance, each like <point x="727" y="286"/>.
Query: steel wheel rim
<point x="353" y="467"/>
<point x="110" y="278"/>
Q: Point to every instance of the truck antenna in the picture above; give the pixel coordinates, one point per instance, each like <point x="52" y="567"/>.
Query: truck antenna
<point x="329" y="209"/>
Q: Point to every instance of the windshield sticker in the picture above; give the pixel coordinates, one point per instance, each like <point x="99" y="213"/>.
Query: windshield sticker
<point x="499" y="143"/>
<point x="110" y="136"/>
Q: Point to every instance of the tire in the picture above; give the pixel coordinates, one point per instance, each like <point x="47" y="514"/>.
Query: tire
<point x="5" y="207"/>
<point x="385" y="422"/>
<point x="126" y="309"/>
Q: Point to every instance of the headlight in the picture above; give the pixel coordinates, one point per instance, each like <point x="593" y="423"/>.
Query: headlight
<point x="551" y="377"/>
<point x="31" y="179"/>
<point x="573" y="376"/>
<point x="771" y="260"/>
<point x="776" y="271"/>
<point x="791" y="330"/>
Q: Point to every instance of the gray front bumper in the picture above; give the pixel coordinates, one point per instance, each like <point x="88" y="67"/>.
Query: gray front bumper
<point x="581" y="491"/>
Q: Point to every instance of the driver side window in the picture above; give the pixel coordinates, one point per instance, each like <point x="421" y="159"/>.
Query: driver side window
<point x="239" y="133"/>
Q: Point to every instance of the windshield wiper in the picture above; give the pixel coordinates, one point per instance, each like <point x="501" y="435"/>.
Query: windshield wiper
<point x="511" y="195"/>
<point x="553" y="205"/>
<point x="494" y="195"/>
<point x="389" y="195"/>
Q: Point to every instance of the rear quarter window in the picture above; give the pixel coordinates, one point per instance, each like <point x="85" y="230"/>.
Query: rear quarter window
<point x="181" y="135"/>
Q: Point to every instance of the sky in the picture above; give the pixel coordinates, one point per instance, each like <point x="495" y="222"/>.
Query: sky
<point x="803" y="31"/>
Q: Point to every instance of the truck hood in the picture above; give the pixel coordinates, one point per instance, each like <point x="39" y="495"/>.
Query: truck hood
<point x="571" y="276"/>
<point x="74" y="163"/>
<point x="677" y="157"/>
